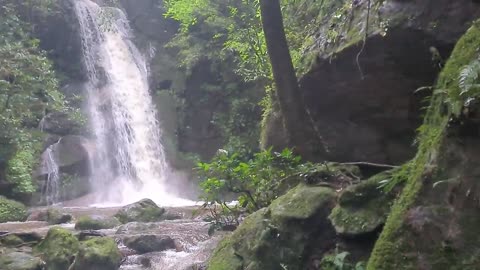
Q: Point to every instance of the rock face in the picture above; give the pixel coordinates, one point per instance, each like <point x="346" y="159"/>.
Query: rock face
<point x="100" y="253"/>
<point x="434" y="224"/>
<point x="369" y="110"/>
<point x="11" y="210"/>
<point x="149" y="243"/>
<point x="143" y="211"/>
<point x="278" y="235"/>
<point x="96" y="223"/>
<point x="58" y="248"/>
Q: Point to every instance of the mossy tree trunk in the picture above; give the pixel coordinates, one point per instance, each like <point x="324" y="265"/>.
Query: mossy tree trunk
<point x="292" y="106"/>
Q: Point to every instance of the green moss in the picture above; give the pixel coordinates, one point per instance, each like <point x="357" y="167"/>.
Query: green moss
<point x="389" y="251"/>
<point x="364" y="207"/>
<point x="11" y="210"/>
<point x="276" y="236"/>
<point x="143" y="211"/>
<point x="11" y="240"/>
<point x="58" y="248"/>
<point x="96" y="223"/>
<point x="300" y="203"/>
<point x="100" y="253"/>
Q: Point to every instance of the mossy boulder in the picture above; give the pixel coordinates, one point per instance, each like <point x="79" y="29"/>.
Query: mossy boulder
<point x="100" y="253"/>
<point x="12" y="210"/>
<point x="11" y="240"/>
<point x="96" y="223"/>
<point x="143" y="211"/>
<point x="276" y="237"/>
<point x="58" y="248"/>
<point x="149" y="243"/>
<point x="363" y="208"/>
<point x="55" y="216"/>
<point x="13" y="260"/>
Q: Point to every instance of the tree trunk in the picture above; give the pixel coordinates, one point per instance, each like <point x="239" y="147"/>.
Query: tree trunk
<point x="296" y="119"/>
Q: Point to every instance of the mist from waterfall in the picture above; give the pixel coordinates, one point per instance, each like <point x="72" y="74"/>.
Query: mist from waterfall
<point x="129" y="161"/>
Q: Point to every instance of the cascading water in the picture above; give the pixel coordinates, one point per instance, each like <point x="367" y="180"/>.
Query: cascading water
<point x="51" y="187"/>
<point x="129" y="161"/>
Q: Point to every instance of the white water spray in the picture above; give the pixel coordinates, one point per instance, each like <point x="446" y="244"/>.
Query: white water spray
<point x="129" y="161"/>
<point x="51" y="187"/>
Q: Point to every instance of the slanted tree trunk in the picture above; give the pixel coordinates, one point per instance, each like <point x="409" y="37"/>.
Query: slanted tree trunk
<point x="296" y="119"/>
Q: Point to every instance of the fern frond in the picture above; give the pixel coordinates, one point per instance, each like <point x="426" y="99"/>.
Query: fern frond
<point x="468" y="77"/>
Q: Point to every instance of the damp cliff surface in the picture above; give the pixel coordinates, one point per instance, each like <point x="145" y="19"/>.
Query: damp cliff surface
<point x="362" y="97"/>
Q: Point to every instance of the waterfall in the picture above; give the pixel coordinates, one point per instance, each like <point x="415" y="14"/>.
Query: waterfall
<point x="129" y="162"/>
<point x="51" y="187"/>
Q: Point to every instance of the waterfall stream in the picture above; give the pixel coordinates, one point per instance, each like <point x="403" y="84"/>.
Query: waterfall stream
<point x="51" y="188"/>
<point x="129" y="162"/>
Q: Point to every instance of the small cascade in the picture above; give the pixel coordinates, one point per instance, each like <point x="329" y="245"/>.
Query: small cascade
<point x="51" y="187"/>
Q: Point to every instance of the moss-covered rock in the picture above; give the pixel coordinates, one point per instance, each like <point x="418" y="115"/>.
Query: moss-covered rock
<point x="12" y="210"/>
<point x="58" y="248"/>
<point x="100" y="253"/>
<point x="55" y="216"/>
<point x="363" y="208"/>
<point x="96" y="223"/>
<point x="143" y="211"/>
<point x="275" y="237"/>
<point x="434" y="223"/>
<point x="20" y="261"/>
<point x="11" y="240"/>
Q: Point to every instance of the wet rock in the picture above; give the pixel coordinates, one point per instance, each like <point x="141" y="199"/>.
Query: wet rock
<point x="135" y="227"/>
<point x="96" y="223"/>
<point x="53" y="216"/>
<point x="85" y="235"/>
<point x="143" y="211"/>
<point x="149" y="243"/>
<point x="20" y="261"/>
<point x="12" y="210"/>
<point x="21" y="238"/>
<point x="100" y="253"/>
<point x="278" y="235"/>
<point x="58" y="248"/>
<point x="11" y="240"/>
<point x="196" y="266"/>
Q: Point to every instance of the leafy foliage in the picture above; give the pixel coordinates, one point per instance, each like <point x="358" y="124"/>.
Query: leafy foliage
<point x="28" y="90"/>
<point x="256" y="181"/>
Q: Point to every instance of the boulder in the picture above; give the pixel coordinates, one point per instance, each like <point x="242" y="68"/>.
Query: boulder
<point x="143" y="211"/>
<point x="149" y="243"/>
<point x="276" y="237"/>
<point x="12" y="210"/>
<point x="96" y="223"/>
<point x="11" y="240"/>
<point x="363" y="208"/>
<point x="58" y="248"/>
<point x="99" y="253"/>
<point x="20" y="239"/>
<point x="14" y="260"/>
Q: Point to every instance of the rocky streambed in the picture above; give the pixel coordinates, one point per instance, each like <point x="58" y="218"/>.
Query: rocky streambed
<point x="138" y="236"/>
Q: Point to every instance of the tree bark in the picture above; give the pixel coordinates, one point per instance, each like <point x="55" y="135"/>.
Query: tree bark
<point x="296" y="119"/>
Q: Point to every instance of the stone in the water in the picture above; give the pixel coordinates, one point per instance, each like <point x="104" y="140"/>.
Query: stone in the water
<point x="96" y="223"/>
<point x="135" y="227"/>
<point x="53" y="216"/>
<point x="143" y="211"/>
<point x="149" y="243"/>
<point x="58" y="248"/>
<point x="20" y="261"/>
<point x="100" y="253"/>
